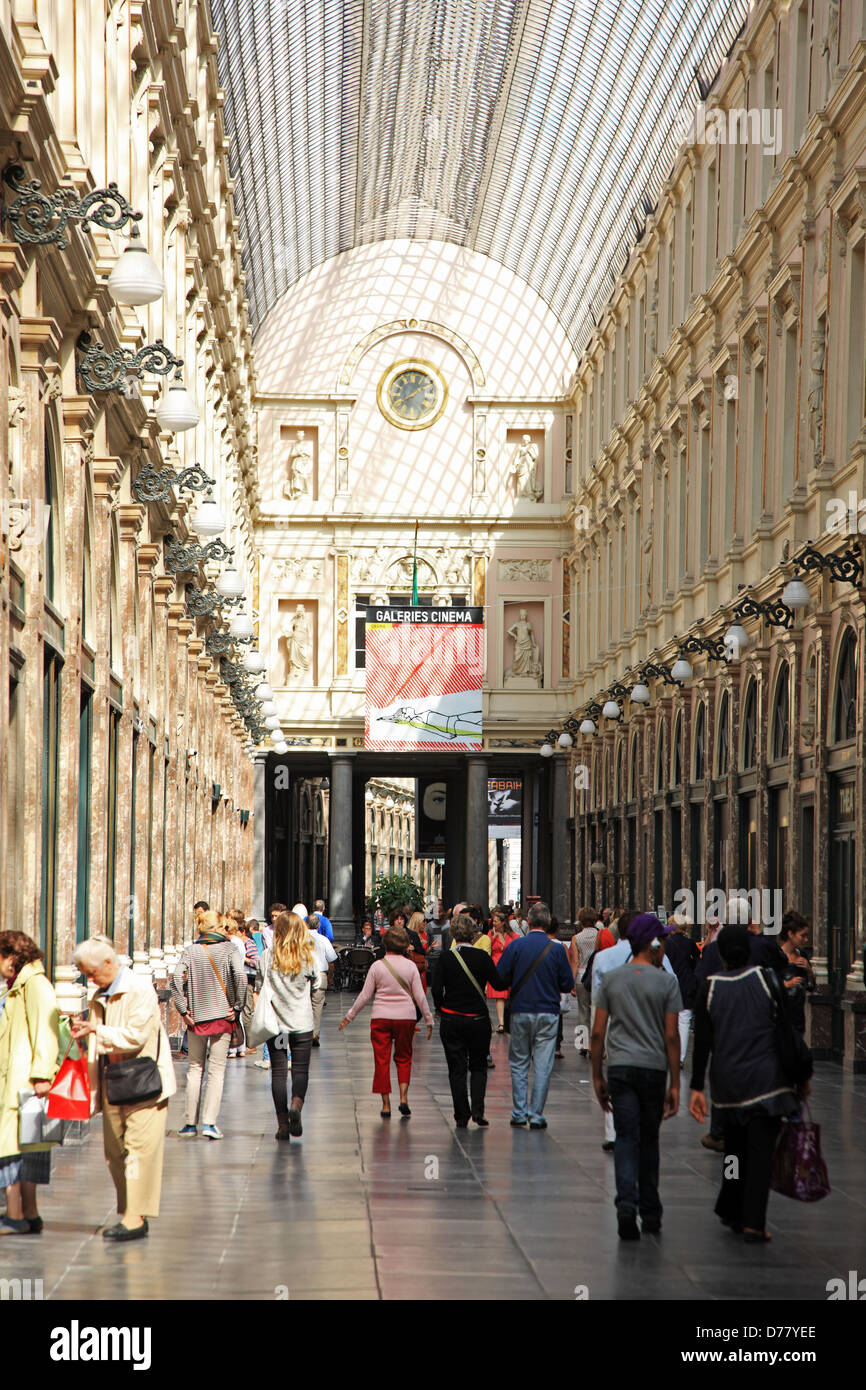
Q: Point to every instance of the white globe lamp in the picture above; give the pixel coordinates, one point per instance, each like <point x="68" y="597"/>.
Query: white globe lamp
<point x="177" y="410"/>
<point x="136" y="277"/>
<point x="640" y="693"/>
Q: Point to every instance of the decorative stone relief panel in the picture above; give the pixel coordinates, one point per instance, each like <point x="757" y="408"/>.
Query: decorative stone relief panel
<point x="534" y="571"/>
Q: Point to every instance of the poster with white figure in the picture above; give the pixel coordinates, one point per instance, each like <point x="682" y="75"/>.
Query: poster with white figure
<point x="424" y="671"/>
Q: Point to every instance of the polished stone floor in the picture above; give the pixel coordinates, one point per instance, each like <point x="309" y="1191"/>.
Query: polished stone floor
<point x="361" y="1208"/>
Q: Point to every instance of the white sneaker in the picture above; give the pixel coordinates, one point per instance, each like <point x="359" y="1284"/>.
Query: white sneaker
<point x="266" y="1066"/>
<point x="211" y="1132"/>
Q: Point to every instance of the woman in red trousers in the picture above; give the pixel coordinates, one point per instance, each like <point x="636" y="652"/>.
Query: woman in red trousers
<point x="394" y="986"/>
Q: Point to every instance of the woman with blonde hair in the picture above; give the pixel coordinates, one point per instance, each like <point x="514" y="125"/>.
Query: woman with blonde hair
<point x="415" y="928"/>
<point x="285" y="970"/>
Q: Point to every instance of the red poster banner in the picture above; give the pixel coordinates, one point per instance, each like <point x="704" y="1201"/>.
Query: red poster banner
<point x="424" y="672"/>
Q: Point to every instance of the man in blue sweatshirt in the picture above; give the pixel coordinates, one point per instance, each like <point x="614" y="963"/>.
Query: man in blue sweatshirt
<point x="537" y="972"/>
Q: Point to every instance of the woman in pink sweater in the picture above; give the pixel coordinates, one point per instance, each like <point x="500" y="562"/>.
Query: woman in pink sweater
<point x="394" y="986"/>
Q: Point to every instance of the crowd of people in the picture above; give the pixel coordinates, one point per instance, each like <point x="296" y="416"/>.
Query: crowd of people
<point x="640" y="987"/>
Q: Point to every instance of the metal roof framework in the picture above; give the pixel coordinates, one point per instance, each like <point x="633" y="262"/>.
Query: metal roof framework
<point x="532" y="131"/>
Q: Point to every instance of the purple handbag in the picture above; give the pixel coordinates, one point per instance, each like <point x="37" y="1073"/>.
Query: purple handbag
<point x="799" y="1170"/>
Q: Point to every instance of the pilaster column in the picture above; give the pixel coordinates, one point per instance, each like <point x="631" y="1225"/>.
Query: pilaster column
<point x="260" y="765"/>
<point x="76" y="416"/>
<point x="560" y="867"/>
<point x="477" y="888"/>
<point x="105" y="475"/>
<point x="126" y="922"/>
<point x="340" y="847"/>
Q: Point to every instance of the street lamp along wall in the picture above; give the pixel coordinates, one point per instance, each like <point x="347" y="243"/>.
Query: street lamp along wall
<point x="101" y="370"/>
<point x="846" y="566"/>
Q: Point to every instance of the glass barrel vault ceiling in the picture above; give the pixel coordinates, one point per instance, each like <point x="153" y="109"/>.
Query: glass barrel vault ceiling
<point x="533" y="131"/>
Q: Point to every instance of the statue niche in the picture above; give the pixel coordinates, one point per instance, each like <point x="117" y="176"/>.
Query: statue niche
<point x="526" y="671"/>
<point x="296" y="635"/>
<point x="300" y="466"/>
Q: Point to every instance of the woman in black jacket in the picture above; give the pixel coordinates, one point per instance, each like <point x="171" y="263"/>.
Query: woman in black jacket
<point x="459" y="993"/>
<point x="735" y="1021"/>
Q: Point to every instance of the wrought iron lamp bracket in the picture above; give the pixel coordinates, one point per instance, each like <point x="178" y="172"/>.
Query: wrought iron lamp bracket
<point x="40" y="219"/>
<point x="154" y="484"/>
<point x="846" y="566"/>
<point x="101" y="370"/>
<point x="181" y="558"/>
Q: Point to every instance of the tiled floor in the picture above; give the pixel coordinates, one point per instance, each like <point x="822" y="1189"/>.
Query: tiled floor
<point x="362" y="1208"/>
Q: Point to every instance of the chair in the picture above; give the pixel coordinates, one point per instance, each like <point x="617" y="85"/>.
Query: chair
<point x="357" y="961"/>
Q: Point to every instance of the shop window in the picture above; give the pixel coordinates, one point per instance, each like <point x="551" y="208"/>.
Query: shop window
<point x="699" y="764"/>
<point x="750" y="728"/>
<point x="723" y="744"/>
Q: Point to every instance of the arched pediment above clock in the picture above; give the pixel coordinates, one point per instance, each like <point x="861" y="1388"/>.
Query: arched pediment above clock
<point x="412" y="325"/>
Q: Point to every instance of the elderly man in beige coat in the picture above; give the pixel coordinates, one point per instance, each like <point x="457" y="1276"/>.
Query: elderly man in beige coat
<point x="124" y="1022"/>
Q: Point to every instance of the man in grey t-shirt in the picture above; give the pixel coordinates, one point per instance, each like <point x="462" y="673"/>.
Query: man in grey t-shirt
<point x="637" y="1005"/>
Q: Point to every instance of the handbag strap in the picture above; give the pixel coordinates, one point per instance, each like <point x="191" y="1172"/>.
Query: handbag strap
<point x="217" y="973"/>
<point x="531" y="971"/>
<point x="402" y="983"/>
<point x="470" y="975"/>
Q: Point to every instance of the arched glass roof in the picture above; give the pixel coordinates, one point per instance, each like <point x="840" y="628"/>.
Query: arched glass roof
<point x="531" y="131"/>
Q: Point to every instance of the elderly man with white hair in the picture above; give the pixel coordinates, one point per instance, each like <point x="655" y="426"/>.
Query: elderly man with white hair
<point x="123" y="1024"/>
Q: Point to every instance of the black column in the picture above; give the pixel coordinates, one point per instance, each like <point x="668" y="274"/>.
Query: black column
<point x="340" y="847"/>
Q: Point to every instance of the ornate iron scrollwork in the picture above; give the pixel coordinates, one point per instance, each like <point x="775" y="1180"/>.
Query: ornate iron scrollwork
<point x="712" y="646"/>
<point x="101" y="370"/>
<point x="776" y="613"/>
<point x="181" y="558"/>
<point x="40" y="219"/>
<point x="847" y="567"/>
<point x="154" y="484"/>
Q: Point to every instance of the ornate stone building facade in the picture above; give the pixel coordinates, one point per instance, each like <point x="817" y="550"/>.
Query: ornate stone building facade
<point x="721" y="425"/>
<point x="125" y="787"/>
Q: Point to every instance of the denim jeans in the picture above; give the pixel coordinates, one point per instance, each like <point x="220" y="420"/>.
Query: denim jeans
<point x="533" y="1040"/>
<point x="637" y="1095"/>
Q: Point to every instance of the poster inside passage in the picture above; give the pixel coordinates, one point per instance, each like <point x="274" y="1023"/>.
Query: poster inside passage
<point x="424" y="671"/>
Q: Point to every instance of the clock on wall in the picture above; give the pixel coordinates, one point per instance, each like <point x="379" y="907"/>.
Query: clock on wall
<point x="412" y="394"/>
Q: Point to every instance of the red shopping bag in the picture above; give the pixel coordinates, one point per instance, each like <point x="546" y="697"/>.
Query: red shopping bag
<point x="69" y="1097"/>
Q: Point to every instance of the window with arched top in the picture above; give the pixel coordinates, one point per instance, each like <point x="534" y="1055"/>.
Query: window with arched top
<point x="723" y="739"/>
<point x="660" y="758"/>
<point x="699" y="762"/>
<point x="750" y="727"/>
<point x="633" y="775"/>
<point x="618" y="785"/>
<point x="677" y="764"/>
<point x="845" y="701"/>
<point x="782" y="714"/>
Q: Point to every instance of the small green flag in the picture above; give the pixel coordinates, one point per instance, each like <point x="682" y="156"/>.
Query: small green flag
<point x="415" y="570"/>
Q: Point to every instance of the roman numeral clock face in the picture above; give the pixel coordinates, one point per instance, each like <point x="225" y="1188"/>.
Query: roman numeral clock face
<point x="412" y="394"/>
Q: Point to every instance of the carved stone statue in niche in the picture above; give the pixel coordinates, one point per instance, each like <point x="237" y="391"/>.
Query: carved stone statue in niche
<point x="525" y="671"/>
<point x="524" y="470"/>
<point x="831" y="39"/>
<point x="300" y="479"/>
<point x="297" y="631"/>
<point x="816" y="395"/>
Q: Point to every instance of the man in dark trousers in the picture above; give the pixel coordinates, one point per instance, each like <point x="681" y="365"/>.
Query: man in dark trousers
<point x="536" y="970"/>
<point x="641" y="1003"/>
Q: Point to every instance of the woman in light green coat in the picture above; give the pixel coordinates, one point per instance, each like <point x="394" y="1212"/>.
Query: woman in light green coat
<point x="29" y="1042"/>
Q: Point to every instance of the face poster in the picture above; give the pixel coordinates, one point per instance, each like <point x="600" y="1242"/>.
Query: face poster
<point x="504" y="808"/>
<point x="424" y="671"/>
<point x="430" y="811"/>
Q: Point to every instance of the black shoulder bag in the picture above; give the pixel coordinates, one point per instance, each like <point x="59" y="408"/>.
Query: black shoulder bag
<point x="506" y="1023"/>
<point x="134" y="1079"/>
<point x="795" y="1059"/>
